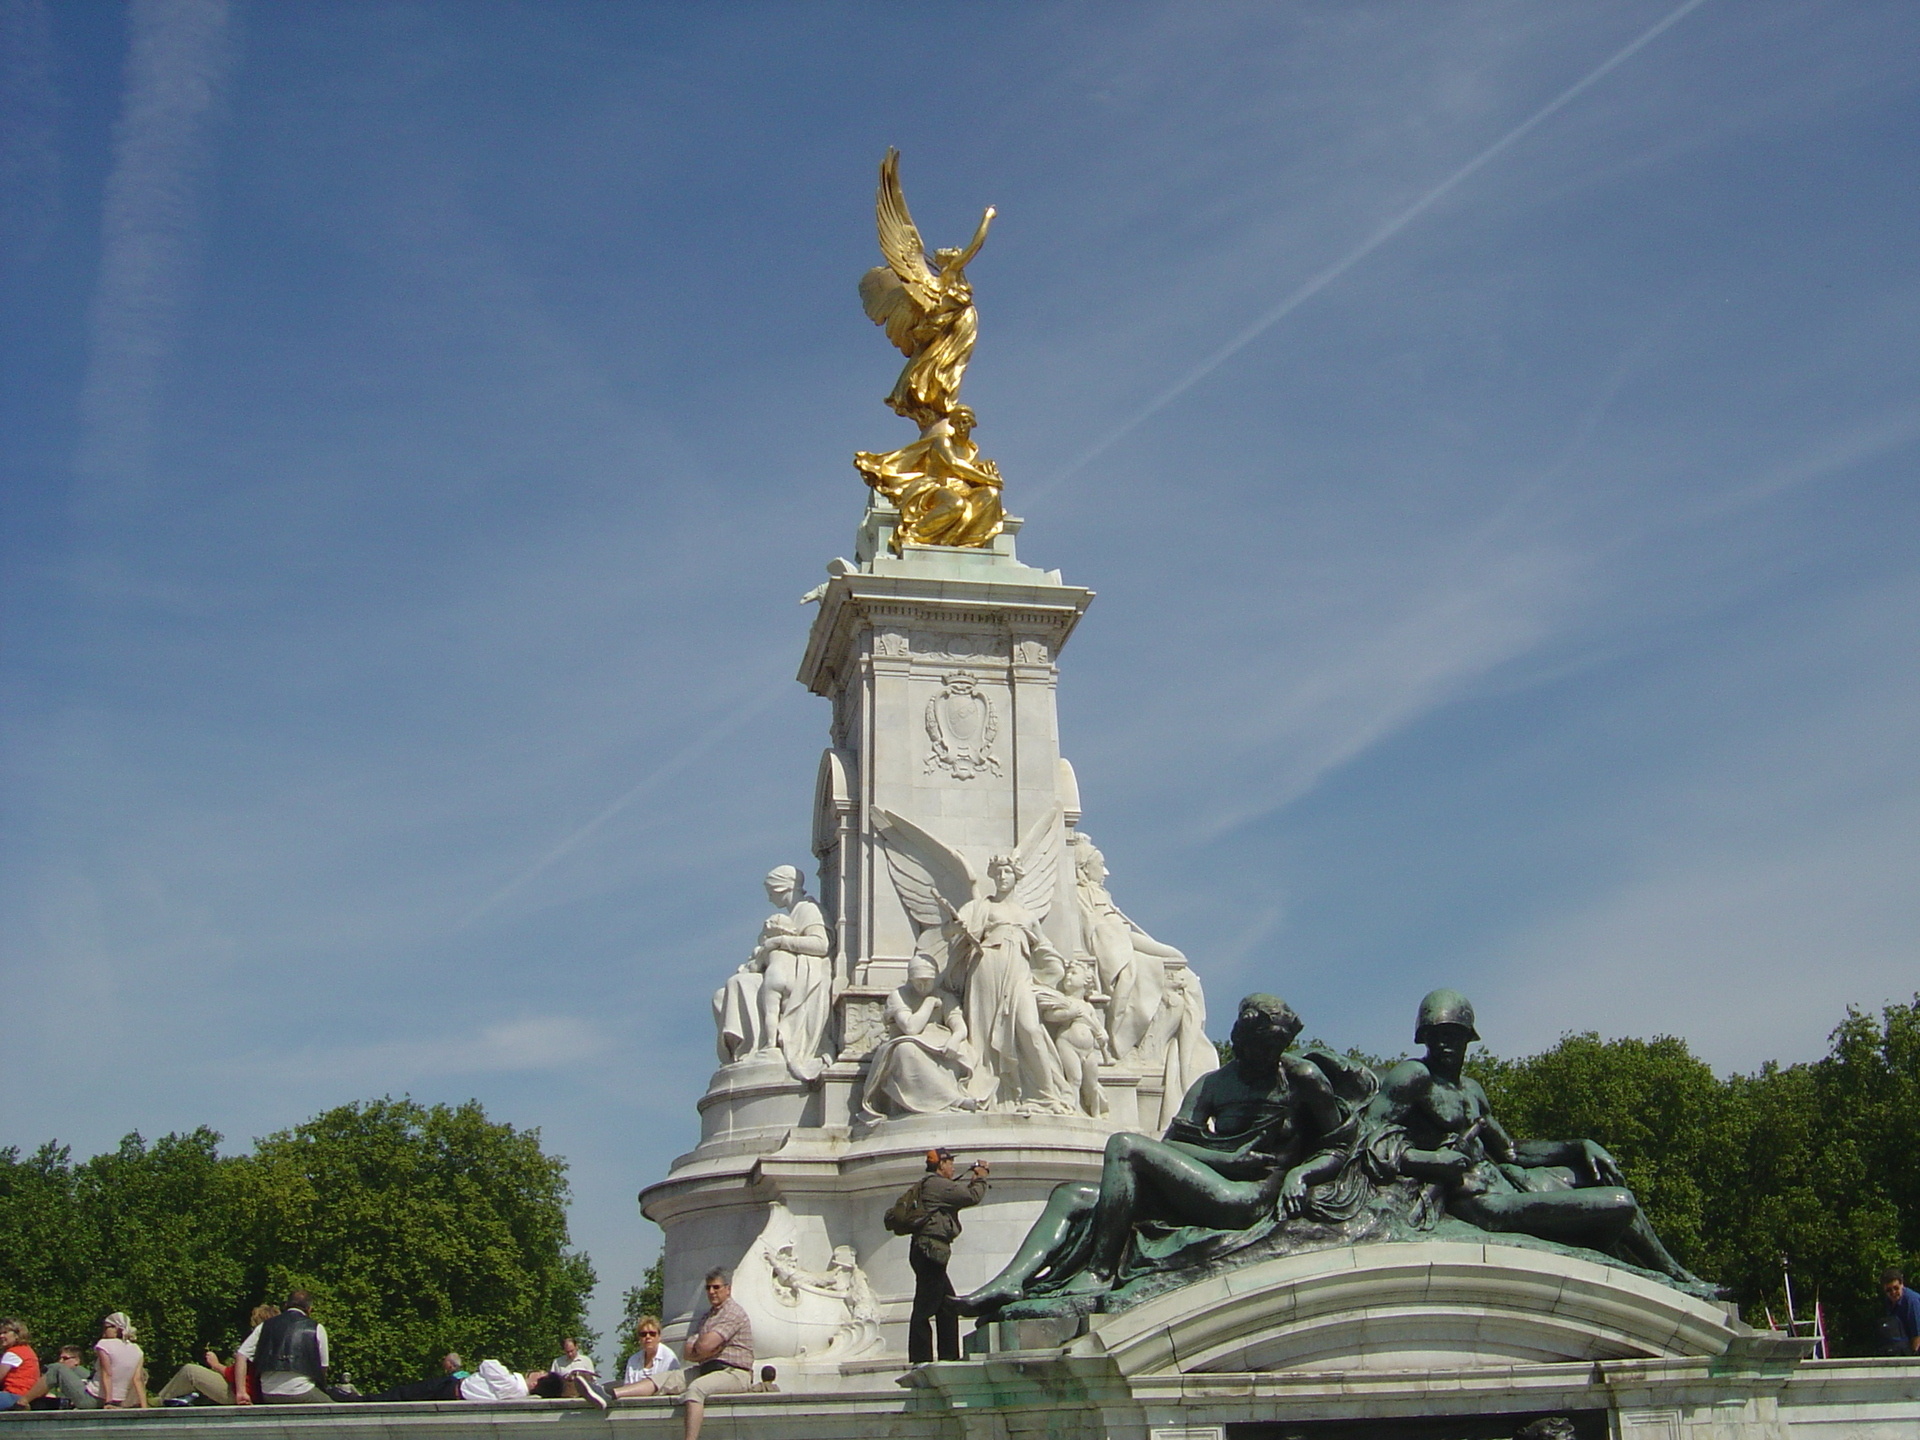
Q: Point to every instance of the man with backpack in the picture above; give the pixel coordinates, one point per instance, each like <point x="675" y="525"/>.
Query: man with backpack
<point x="929" y="1212"/>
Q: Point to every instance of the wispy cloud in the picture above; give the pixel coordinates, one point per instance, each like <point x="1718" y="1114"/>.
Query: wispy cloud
<point x="724" y="728"/>
<point x="178" y="54"/>
<point x="1301" y="295"/>
<point x="542" y="1042"/>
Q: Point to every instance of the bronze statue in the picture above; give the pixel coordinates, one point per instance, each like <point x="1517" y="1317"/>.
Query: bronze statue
<point x="1266" y="1137"/>
<point x="946" y="493"/>
<point x="1278" y="1152"/>
<point x="1434" y="1125"/>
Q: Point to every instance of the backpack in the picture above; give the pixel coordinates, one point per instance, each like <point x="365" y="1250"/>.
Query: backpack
<point x="907" y="1214"/>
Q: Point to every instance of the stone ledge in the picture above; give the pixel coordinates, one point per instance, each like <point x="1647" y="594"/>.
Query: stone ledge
<point x="1410" y="1306"/>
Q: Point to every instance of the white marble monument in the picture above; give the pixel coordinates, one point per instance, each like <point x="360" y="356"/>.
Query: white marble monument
<point x="964" y="979"/>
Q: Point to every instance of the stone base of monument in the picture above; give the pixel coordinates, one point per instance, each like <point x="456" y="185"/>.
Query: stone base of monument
<point x="738" y="1199"/>
<point x="1429" y="1341"/>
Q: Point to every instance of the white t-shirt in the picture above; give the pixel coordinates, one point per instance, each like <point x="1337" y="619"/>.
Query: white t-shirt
<point x="284" y="1382"/>
<point x="493" y="1381"/>
<point x="563" y="1366"/>
<point x="663" y="1361"/>
<point x="127" y="1358"/>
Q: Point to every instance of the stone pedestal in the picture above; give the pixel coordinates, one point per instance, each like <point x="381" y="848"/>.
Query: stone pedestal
<point x="941" y="666"/>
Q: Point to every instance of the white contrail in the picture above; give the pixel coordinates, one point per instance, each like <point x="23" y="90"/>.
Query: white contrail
<point x="1372" y="243"/>
<point x="177" y="59"/>
<point x="685" y="756"/>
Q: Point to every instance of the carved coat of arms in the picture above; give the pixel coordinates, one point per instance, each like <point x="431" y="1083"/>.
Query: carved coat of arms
<point x="962" y="726"/>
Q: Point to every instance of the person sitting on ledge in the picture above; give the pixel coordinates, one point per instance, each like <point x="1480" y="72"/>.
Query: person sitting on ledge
<point x="213" y="1381"/>
<point x="720" y="1347"/>
<point x="290" y="1354"/>
<point x="650" y="1359"/>
<point x="1250" y="1141"/>
<point x="1434" y="1124"/>
<point x="66" y="1380"/>
<point x="19" y="1364"/>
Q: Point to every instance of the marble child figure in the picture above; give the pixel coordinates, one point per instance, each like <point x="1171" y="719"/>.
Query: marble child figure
<point x="779" y="1001"/>
<point x="1078" y="1032"/>
<point x="1434" y="1124"/>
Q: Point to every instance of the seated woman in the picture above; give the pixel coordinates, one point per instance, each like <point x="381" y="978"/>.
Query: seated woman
<point x="1250" y="1145"/>
<point x="213" y="1381"/>
<point x="921" y="1067"/>
<point x="1430" y="1123"/>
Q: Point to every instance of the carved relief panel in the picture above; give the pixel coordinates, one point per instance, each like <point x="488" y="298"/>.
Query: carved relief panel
<point x="963" y="725"/>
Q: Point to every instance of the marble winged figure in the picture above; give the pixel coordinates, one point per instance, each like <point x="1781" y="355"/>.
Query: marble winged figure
<point x="984" y="935"/>
<point x="947" y="494"/>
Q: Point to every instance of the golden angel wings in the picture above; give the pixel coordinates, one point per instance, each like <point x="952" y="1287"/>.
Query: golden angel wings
<point x="946" y="494"/>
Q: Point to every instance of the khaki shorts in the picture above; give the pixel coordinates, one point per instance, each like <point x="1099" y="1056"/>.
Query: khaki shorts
<point x="703" y="1381"/>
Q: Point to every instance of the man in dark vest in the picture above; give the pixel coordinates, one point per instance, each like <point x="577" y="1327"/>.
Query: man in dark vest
<point x="942" y="1196"/>
<point x="290" y="1352"/>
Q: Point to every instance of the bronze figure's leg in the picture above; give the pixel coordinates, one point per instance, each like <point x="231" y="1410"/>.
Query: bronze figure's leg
<point x="1147" y="1179"/>
<point x="1049" y="1244"/>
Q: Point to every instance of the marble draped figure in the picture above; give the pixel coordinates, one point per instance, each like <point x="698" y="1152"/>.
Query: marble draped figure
<point x="921" y="1068"/>
<point x="780" y="1001"/>
<point x="1156" y="1010"/>
<point x="995" y="1017"/>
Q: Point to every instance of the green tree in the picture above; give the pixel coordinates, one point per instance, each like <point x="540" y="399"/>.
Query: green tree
<point x="52" y="1249"/>
<point x="1662" y="1113"/>
<point x="161" y="1231"/>
<point x="174" y="1223"/>
<point x="421" y="1230"/>
<point x="1816" y="1165"/>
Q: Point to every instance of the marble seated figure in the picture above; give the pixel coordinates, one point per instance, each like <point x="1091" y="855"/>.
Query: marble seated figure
<point x="1132" y="964"/>
<point x="1267" y="1137"/>
<point x="921" y="1068"/>
<point x="779" y="1001"/>
<point x="1433" y="1126"/>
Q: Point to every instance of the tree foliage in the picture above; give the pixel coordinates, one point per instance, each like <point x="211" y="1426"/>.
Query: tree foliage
<point x="1817" y="1163"/>
<point x="418" y="1229"/>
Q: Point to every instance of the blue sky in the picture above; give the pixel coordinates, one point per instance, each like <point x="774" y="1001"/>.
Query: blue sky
<point x="421" y="420"/>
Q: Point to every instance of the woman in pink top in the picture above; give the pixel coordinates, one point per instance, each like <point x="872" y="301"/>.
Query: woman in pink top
<point x="122" y="1376"/>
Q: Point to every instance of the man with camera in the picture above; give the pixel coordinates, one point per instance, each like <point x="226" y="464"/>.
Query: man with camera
<point x="931" y="1215"/>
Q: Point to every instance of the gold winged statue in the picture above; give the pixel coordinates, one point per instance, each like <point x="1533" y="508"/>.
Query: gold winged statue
<point x="946" y="493"/>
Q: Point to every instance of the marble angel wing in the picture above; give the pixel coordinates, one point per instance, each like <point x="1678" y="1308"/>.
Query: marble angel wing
<point x="1039" y="859"/>
<point x="933" y="881"/>
<point x="900" y="293"/>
